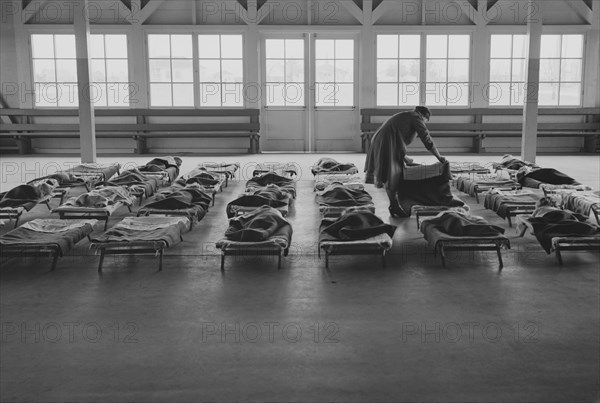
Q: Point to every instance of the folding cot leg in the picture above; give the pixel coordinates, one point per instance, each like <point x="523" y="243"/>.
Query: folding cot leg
<point x="54" y="260"/>
<point x="477" y="195"/>
<point x="327" y="259"/>
<point x="418" y="220"/>
<point x="559" y="255"/>
<point x="499" y="257"/>
<point x="223" y="261"/>
<point x="509" y="220"/>
<point x="383" y="258"/>
<point x="523" y="231"/>
<point x="17" y="220"/>
<point x="105" y="223"/>
<point x="443" y="256"/>
<point x="160" y="259"/>
<point x="101" y="261"/>
<point x="279" y="260"/>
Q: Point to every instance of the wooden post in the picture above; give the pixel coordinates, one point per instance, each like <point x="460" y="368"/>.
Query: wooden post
<point x="530" y="110"/>
<point x="87" y="129"/>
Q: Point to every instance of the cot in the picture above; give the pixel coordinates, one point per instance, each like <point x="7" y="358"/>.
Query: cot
<point x="511" y="203"/>
<point x="166" y="169"/>
<point x="337" y="199"/>
<point x="140" y="235"/>
<point x="452" y="230"/>
<point x="478" y="185"/>
<point x="227" y="169"/>
<point x="282" y="169"/>
<point x="191" y="201"/>
<point x="22" y="198"/>
<point x="42" y="237"/>
<point x="211" y="181"/>
<point x="88" y="174"/>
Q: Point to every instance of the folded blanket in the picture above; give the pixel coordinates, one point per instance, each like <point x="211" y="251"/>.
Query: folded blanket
<point x="54" y="226"/>
<point x="179" y="199"/>
<point x="145" y="229"/>
<point x="64" y="240"/>
<point x="199" y="176"/>
<point x="257" y="226"/>
<point x="133" y="178"/>
<point x="269" y="178"/>
<point x="501" y="202"/>
<point x="102" y="197"/>
<point x="457" y="224"/>
<point x="338" y="195"/>
<point x="354" y="226"/>
<point x="552" y="222"/>
<point x="266" y="199"/>
<point x="329" y="165"/>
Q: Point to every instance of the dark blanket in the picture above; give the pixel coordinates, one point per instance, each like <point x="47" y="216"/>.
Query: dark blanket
<point x="64" y="240"/>
<point x="104" y="173"/>
<point x="560" y="223"/>
<point x="433" y="191"/>
<point x="163" y="164"/>
<point x="171" y="235"/>
<point x="516" y="164"/>
<point x="329" y="165"/>
<point x="255" y="201"/>
<point x="26" y="196"/>
<point x="341" y="196"/>
<point x="354" y="226"/>
<point x="258" y="225"/>
<point x="203" y="179"/>
<point x="133" y="177"/>
<point x="539" y="176"/>
<point x="461" y="225"/>
<point x="501" y="203"/>
<point x="180" y="199"/>
<point x="269" y="179"/>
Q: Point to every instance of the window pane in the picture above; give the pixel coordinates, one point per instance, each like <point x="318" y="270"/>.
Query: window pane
<point x="499" y="94"/>
<point x="459" y="46"/>
<point x="275" y="94"/>
<point x="208" y="46"/>
<point x="44" y="71"/>
<point x="232" y="95"/>
<point x="570" y="70"/>
<point x="572" y="46"/>
<point x="118" y="94"/>
<point x="98" y="72"/>
<point x="294" y="49"/>
<point x="437" y="46"/>
<point x="160" y="71"/>
<point x="210" y="95"/>
<point x="45" y="95"/>
<point x="550" y="46"/>
<point x="183" y="71"/>
<point x="42" y="46"/>
<point x="344" y="94"/>
<point x="159" y="46"/>
<point x="549" y="69"/>
<point x="232" y="46"/>
<point x="275" y="70"/>
<point x="67" y="95"/>
<point x="518" y="93"/>
<point x="410" y="46"/>
<point x="181" y="46"/>
<point x="160" y="95"/>
<point x="387" y="46"/>
<point x="294" y="71"/>
<point x="116" y="46"/>
<point x="501" y="46"/>
<point x="344" y="71"/>
<point x="233" y="71"/>
<point x="458" y="70"/>
<point x="324" y="70"/>
<point x="410" y="70"/>
<point x="387" y="71"/>
<point x="65" y="46"/>
<point x="275" y="48"/>
<point x="66" y="70"/>
<point x="570" y="94"/>
<point x="210" y="71"/>
<point x="325" y="94"/>
<point x="500" y="70"/>
<point x="98" y="94"/>
<point x="409" y="94"/>
<point x="518" y="70"/>
<point x="324" y="48"/>
<point x="548" y="94"/>
<point x="294" y="94"/>
<point x="344" y="49"/>
<point x="520" y="46"/>
<point x="97" y="46"/>
<point x="435" y="94"/>
<point x="387" y="94"/>
<point x="436" y="70"/>
<point x="457" y="94"/>
<point x="183" y="94"/>
<point x="116" y="71"/>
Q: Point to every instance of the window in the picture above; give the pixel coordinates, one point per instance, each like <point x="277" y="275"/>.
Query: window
<point x="109" y="70"/>
<point x="221" y="70"/>
<point x="561" y="64"/>
<point x="398" y="70"/>
<point x="285" y="72"/>
<point x="54" y="70"/>
<point x="334" y="71"/>
<point x="508" y="64"/>
<point x="447" y="70"/>
<point x="171" y="70"/>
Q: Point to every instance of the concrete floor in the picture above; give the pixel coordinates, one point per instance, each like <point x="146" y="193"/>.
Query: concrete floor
<point x="411" y="331"/>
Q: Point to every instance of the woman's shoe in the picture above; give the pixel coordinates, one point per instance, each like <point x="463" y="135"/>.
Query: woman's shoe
<point x="397" y="211"/>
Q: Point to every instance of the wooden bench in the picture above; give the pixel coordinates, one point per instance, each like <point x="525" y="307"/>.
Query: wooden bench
<point x="21" y="125"/>
<point x="478" y="129"/>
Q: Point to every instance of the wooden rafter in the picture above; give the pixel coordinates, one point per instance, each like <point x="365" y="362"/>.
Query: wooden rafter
<point x="149" y="9"/>
<point x="32" y="9"/>
<point x="353" y="9"/>
<point x="581" y="9"/>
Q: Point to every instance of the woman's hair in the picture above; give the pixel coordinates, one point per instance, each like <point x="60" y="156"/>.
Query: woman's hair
<point x="423" y="110"/>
